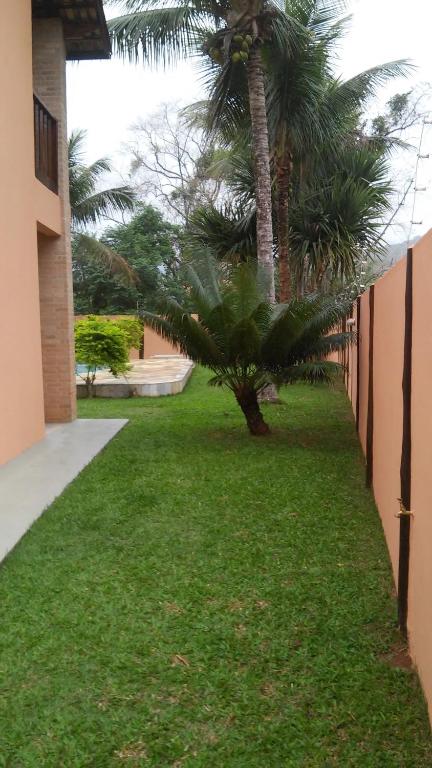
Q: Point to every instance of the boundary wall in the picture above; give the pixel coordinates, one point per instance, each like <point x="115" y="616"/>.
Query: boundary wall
<point x="389" y="382"/>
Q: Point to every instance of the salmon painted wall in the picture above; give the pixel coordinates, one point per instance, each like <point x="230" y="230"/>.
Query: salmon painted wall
<point x="156" y="345"/>
<point x="21" y="390"/>
<point x="389" y="330"/>
<point x="420" y="584"/>
<point x="363" y="331"/>
<point x="389" y="327"/>
<point x="351" y="353"/>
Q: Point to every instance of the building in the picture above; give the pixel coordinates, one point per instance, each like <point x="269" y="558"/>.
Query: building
<point x="37" y="381"/>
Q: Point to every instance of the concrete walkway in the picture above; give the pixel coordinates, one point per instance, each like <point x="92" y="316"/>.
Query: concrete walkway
<point x="31" y="482"/>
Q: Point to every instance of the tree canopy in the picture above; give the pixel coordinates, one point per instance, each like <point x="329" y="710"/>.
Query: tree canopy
<point x="150" y="246"/>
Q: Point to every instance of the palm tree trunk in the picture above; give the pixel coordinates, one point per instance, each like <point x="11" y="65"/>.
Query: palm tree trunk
<point x="283" y="179"/>
<point x="261" y="152"/>
<point x="248" y="402"/>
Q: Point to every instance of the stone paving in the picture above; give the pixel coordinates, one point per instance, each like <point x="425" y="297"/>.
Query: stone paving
<point x="155" y="377"/>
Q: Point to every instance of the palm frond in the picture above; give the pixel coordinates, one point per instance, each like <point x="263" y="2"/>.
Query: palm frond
<point x="346" y="96"/>
<point x="86" y="246"/>
<point x="93" y="207"/>
<point x="163" y="35"/>
<point x="318" y="372"/>
<point x="229" y="231"/>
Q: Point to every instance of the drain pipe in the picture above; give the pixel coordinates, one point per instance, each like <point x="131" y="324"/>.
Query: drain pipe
<point x="405" y="513"/>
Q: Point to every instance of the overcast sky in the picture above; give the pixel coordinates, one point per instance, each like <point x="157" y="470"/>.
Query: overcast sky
<point x="107" y="97"/>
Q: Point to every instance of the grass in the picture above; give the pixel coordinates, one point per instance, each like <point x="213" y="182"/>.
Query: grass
<point x="199" y="598"/>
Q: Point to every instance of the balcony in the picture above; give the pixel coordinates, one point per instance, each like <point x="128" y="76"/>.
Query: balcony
<point x="46" y="146"/>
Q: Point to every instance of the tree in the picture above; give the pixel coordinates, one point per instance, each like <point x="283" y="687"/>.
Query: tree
<point x="235" y="33"/>
<point x="150" y="246"/>
<point x="336" y="213"/>
<point x="133" y="329"/>
<point x="90" y="206"/>
<point x="100" y="343"/>
<point x="309" y="111"/>
<point x="337" y="217"/>
<point x="247" y="341"/>
<point x="171" y="162"/>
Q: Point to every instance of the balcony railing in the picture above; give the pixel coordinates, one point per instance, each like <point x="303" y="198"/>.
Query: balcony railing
<point x="46" y="146"/>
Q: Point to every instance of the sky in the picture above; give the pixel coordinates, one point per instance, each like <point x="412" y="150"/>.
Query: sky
<point x="107" y="97"/>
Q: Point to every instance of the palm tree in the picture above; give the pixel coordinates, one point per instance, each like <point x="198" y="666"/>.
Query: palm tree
<point x="337" y="215"/>
<point x="303" y="132"/>
<point x="236" y="34"/>
<point x="308" y="110"/>
<point x="89" y="206"/>
<point x="248" y="342"/>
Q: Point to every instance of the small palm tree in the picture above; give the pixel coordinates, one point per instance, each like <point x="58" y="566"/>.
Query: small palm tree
<point x="89" y="206"/>
<point x="247" y="341"/>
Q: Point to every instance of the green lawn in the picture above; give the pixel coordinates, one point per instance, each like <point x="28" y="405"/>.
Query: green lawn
<point x="199" y="598"/>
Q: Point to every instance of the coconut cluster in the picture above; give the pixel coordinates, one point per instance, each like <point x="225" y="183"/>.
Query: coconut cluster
<point x="239" y="50"/>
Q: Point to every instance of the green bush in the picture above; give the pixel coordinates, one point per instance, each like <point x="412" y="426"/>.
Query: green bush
<point x="133" y="328"/>
<point x="100" y="343"/>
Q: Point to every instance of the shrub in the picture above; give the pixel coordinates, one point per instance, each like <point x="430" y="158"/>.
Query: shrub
<point x="133" y="329"/>
<point x="100" y="343"/>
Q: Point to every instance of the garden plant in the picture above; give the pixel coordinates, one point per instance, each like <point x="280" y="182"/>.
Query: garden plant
<point x="101" y="343"/>
<point x="248" y="342"/>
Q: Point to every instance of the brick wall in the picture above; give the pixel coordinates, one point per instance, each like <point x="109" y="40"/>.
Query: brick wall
<point x="55" y="262"/>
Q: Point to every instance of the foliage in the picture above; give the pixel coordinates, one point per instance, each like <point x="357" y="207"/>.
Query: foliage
<point x="271" y="580"/>
<point x="233" y="36"/>
<point x="247" y="341"/>
<point x="150" y="246"/>
<point x="338" y="214"/>
<point x="310" y="114"/>
<point x="229" y="230"/>
<point x="90" y="206"/>
<point x="133" y="330"/>
<point x="100" y="343"/>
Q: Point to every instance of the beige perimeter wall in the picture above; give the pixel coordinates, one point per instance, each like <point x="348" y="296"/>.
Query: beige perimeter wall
<point x="388" y="357"/>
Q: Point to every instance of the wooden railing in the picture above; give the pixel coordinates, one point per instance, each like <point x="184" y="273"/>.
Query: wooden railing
<point x="46" y="146"/>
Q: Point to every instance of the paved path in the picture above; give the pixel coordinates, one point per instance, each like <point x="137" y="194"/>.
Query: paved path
<point x="31" y="482"/>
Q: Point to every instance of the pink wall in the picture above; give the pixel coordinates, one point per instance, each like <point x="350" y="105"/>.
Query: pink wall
<point x="420" y="586"/>
<point x="363" y="331"/>
<point x="389" y="328"/>
<point x="156" y="345"/>
<point x="351" y="362"/>
<point x="21" y="390"/>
